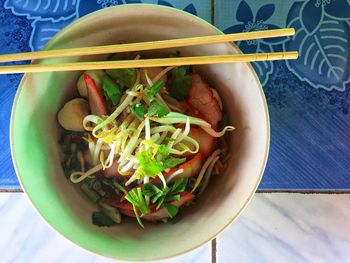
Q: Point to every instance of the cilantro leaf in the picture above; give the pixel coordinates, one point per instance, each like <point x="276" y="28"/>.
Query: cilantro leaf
<point x="136" y="198"/>
<point x="172" y="162"/>
<point x="111" y="90"/>
<point x="101" y="219"/>
<point x="171" y="209"/>
<point x="163" y="151"/>
<point x="180" y="83"/>
<point x="160" y="197"/>
<point x="149" y="166"/>
<point x="125" y="76"/>
<point x="179" y="185"/>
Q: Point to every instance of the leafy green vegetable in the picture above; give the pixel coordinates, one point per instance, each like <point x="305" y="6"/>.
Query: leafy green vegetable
<point x="136" y="198"/>
<point x="139" y="110"/>
<point x="163" y="151"/>
<point x="154" y="89"/>
<point x="157" y="109"/>
<point x="171" y="209"/>
<point x="111" y="90"/>
<point x="180" y="83"/>
<point x="149" y="166"/>
<point x="161" y="196"/>
<point x="101" y="219"/>
<point x="153" y="162"/>
<point x="125" y="77"/>
<point x="172" y="162"/>
<point x="179" y="185"/>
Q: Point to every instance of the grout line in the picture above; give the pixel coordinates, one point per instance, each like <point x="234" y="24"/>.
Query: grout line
<point x="213" y="251"/>
<point x="284" y="191"/>
<point x="307" y="191"/>
<point x="213" y="12"/>
<point x="11" y="190"/>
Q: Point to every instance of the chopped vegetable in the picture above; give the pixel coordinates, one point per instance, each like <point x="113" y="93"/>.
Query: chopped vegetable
<point x="111" y="90"/>
<point x="171" y="209"/>
<point x="139" y="110"/>
<point x="101" y="219"/>
<point x="157" y="109"/>
<point x="161" y="196"/>
<point x="149" y="166"/>
<point x="180" y="83"/>
<point x="154" y="89"/>
<point x="143" y="147"/>
<point x="172" y="162"/>
<point x="125" y="77"/>
<point x="138" y="202"/>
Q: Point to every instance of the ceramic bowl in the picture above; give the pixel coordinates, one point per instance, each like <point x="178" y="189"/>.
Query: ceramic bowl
<point x="35" y="134"/>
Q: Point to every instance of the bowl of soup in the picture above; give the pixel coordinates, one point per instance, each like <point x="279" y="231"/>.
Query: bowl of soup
<point x="37" y="130"/>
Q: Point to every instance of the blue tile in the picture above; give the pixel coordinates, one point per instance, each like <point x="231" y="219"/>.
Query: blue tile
<point x="309" y="99"/>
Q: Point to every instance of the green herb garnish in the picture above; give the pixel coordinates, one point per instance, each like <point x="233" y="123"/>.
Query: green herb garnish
<point x="160" y="197"/>
<point x="180" y="83"/>
<point x="171" y="209"/>
<point x="136" y="198"/>
<point x="139" y="110"/>
<point x="125" y="77"/>
<point x="154" y="89"/>
<point x="172" y="162"/>
<point x="149" y="166"/>
<point x="111" y="90"/>
<point x="157" y="109"/>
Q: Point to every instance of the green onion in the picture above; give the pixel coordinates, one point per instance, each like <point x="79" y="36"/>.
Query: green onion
<point x="154" y="89"/>
<point x="157" y="109"/>
<point x="139" y="110"/>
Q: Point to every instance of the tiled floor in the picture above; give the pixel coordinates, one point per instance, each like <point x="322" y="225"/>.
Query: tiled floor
<point x="274" y="228"/>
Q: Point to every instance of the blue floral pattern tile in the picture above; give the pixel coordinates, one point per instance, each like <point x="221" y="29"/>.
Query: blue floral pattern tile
<point x="308" y="98"/>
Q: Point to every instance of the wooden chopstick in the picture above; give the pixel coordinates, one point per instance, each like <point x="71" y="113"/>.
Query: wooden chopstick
<point x="172" y="43"/>
<point x="143" y="63"/>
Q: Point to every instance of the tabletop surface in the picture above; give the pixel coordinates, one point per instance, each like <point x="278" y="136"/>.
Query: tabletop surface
<point x="278" y="227"/>
<point x="308" y="99"/>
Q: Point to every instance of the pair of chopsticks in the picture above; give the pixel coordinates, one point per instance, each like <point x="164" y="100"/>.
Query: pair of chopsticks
<point x="152" y="45"/>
